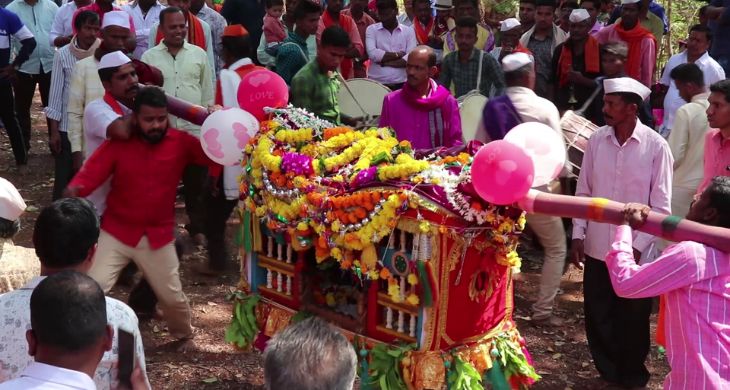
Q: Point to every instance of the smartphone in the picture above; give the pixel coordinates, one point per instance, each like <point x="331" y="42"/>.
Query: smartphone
<point x="126" y="358"/>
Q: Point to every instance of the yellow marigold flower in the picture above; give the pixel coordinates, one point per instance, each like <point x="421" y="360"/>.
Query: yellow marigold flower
<point x="394" y="293"/>
<point x="412" y="279"/>
<point x="413" y="299"/>
<point x="424" y="227"/>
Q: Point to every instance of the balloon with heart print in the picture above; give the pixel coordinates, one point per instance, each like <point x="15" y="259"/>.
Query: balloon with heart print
<point x="544" y="146"/>
<point x="225" y="133"/>
<point x="262" y="88"/>
<point x="501" y="173"/>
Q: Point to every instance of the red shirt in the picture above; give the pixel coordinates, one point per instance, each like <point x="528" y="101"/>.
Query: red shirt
<point x="143" y="185"/>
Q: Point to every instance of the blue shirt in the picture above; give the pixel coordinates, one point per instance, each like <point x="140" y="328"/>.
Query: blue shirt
<point x="12" y="26"/>
<point x="38" y="19"/>
<point x="291" y="56"/>
<point x="720" y="49"/>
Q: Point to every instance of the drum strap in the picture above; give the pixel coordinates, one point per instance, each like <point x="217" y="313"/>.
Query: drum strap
<point x="479" y="74"/>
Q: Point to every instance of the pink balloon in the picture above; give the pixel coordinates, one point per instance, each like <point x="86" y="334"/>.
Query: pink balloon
<point x="502" y="173"/>
<point x="262" y="88"/>
<point x="544" y="146"/>
<point x="225" y="133"/>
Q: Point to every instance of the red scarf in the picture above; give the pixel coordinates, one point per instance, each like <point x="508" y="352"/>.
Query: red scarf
<point x="196" y="35"/>
<point x="345" y="22"/>
<point x="591" y="58"/>
<point x="423" y="34"/>
<point x="113" y="103"/>
<point x="633" y="39"/>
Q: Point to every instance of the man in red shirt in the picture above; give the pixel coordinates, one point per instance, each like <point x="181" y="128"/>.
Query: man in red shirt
<point x="138" y="224"/>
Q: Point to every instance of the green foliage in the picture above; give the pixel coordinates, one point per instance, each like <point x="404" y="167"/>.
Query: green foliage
<point x="385" y="372"/>
<point x="682" y="15"/>
<point x="243" y="328"/>
<point x="463" y="376"/>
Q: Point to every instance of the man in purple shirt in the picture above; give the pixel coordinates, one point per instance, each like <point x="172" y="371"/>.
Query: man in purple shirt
<point x="422" y="112"/>
<point x="692" y="279"/>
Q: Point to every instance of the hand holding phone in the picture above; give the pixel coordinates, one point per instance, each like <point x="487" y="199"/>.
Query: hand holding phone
<point x="126" y="359"/>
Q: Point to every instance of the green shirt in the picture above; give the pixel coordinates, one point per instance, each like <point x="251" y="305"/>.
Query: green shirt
<point x="316" y="92"/>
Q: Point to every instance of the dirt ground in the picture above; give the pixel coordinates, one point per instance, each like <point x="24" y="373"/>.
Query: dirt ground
<point x="561" y="355"/>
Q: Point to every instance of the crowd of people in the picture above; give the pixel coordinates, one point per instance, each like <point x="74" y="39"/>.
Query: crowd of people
<point x="660" y="144"/>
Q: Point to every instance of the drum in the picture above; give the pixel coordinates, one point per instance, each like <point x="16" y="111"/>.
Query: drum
<point x="576" y="131"/>
<point x="362" y="98"/>
<point x="471" y="107"/>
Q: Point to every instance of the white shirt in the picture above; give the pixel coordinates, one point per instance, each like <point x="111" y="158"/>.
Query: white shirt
<point x="15" y="320"/>
<point x="47" y="377"/>
<point x="229" y="82"/>
<point x="378" y="41"/>
<point x="638" y="171"/>
<point x="531" y="108"/>
<point x="98" y="115"/>
<point x="63" y="22"/>
<point x="687" y="141"/>
<point x="712" y="71"/>
<point x="143" y="24"/>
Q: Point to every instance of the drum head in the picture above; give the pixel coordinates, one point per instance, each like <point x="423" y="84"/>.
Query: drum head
<point x="369" y="95"/>
<point x="471" y="117"/>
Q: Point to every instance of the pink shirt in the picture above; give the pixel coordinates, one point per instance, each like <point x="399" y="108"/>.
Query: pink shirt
<point x="694" y="280"/>
<point x="639" y="171"/>
<point x="717" y="158"/>
<point x="274" y="29"/>
<point x="608" y="34"/>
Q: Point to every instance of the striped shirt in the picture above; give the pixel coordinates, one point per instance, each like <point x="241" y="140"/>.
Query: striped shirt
<point x="63" y="66"/>
<point x="694" y="280"/>
<point x="462" y="78"/>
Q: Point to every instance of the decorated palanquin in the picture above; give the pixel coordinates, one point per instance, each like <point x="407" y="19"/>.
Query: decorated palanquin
<point x="390" y="244"/>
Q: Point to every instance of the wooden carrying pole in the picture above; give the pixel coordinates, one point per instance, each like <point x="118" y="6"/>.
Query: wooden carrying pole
<point x="670" y="227"/>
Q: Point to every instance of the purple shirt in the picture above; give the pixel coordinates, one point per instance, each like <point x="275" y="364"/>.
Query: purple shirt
<point x="427" y="122"/>
<point x="694" y="279"/>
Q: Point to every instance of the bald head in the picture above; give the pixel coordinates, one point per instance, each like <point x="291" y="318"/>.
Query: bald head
<point x="420" y="67"/>
<point x="424" y="54"/>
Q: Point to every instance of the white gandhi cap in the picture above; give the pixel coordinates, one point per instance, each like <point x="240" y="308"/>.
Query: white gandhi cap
<point x="11" y="203"/>
<point x="629" y="1"/>
<point x="515" y="61"/>
<point x="509" y="24"/>
<point x="626" y="84"/>
<point x="113" y="60"/>
<point x="116" y="18"/>
<point x="579" y="15"/>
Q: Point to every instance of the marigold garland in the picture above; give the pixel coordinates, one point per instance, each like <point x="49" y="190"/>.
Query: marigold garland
<point x="302" y="175"/>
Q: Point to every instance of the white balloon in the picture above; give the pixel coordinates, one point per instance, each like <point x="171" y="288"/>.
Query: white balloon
<point x="544" y="146"/>
<point x="224" y="134"/>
